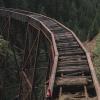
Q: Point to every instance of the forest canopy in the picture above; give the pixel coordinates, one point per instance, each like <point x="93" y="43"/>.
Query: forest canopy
<point x="82" y="16"/>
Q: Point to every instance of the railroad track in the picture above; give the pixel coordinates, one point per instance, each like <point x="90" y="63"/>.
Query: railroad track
<point x="71" y="76"/>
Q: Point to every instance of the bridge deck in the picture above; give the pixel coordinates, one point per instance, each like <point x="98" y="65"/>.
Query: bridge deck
<point x="73" y="78"/>
<point x="72" y="62"/>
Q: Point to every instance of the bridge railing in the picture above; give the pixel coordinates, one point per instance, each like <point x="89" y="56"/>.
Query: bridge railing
<point x="54" y="53"/>
<point x="50" y="37"/>
<point x="92" y="70"/>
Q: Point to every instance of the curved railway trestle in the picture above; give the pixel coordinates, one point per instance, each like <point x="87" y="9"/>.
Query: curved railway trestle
<point x="55" y="65"/>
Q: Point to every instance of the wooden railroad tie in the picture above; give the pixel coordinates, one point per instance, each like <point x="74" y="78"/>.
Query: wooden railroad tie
<point x="71" y="81"/>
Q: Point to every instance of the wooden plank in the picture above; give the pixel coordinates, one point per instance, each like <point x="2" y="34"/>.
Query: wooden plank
<point x="54" y="67"/>
<point x="25" y="78"/>
<point x="73" y="61"/>
<point x="71" y="70"/>
<point x="71" y="81"/>
<point x="71" y="53"/>
<point x="95" y="81"/>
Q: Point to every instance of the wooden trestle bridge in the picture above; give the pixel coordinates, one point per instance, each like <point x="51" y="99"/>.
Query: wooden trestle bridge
<point x="54" y="64"/>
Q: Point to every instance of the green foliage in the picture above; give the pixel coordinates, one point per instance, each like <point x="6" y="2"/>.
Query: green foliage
<point x="97" y="56"/>
<point x="1" y="3"/>
<point x="82" y="16"/>
<point x="8" y="70"/>
<point x="3" y="47"/>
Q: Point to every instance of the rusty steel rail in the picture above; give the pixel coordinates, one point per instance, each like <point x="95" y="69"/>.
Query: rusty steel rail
<point x="43" y="23"/>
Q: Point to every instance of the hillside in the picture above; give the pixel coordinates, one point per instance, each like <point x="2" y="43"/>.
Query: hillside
<point x="97" y="56"/>
<point x="94" y="48"/>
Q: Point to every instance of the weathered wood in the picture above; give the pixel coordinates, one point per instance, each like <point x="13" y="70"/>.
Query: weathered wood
<point x="72" y="60"/>
<point x="26" y="80"/>
<point x="73" y="70"/>
<point x="95" y="81"/>
<point x="57" y="36"/>
<point x="71" y="81"/>
<point x="71" y="53"/>
<point x="71" y="64"/>
<point x="73" y="67"/>
<point x="67" y="62"/>
<point x="73" y="57"/>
